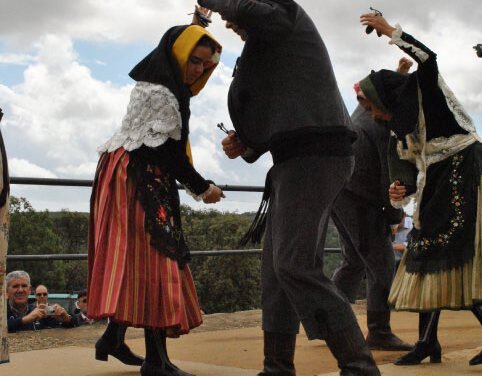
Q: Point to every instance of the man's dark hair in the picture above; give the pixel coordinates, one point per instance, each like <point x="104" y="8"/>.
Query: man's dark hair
<point x="81" y="294"/>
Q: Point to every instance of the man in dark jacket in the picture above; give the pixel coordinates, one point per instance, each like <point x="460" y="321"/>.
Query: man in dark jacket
<point x="362" y="214"/>
<point x="284" y="99"/>
<point x="24" y="316"/>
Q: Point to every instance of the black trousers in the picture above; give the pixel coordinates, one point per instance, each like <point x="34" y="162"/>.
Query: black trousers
<point x="294" y="287"/>
<point x="366" y="250"/>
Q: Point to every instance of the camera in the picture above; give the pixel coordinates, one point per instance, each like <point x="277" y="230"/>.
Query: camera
<point x="478" y="49"/>
<point x="50" y="310"/>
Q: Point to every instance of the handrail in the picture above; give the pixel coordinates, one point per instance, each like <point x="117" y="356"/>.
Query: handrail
<point x="88" y="183"/>
<point x="83" y="256"/>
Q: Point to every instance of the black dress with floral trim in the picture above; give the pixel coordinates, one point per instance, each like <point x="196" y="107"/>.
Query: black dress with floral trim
<point x="155" y="171"/>
<point x="448" y="208"/>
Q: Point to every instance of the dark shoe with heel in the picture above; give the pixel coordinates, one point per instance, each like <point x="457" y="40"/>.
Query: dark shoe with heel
<point x="421" y="351"/>
<point x="103" y="349"/>
<point x="157" y="361"/>
<point x="476" y="360"/>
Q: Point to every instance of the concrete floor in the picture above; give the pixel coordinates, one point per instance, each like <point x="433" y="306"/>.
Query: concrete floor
<point x="238" y="352"/>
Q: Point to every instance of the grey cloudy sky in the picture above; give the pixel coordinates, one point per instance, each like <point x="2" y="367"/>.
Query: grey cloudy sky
<point x="64" y="85"/>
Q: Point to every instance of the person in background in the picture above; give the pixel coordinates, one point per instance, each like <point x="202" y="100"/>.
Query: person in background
<point x="138" y="258"/>
<point x="56" y="311"/>
<point x="400" y="238"/>
<point x="80" y="311"/>
<point x="284" y="99"/>
<point x="362" y="215"/>
<point x="435" y="135"/>
<point x="24" y="316"/>
<point x="4" y="226"/>
<point x="42" y="295"/>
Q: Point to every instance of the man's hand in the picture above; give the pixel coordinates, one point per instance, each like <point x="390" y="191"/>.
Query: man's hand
<point x="404" y="65"/>
<point x="378" y="23"/>
<point x="37" y="314"/>
<point x="209" y="4"/>
<point x="232" y="146"/>
<point x="60" y="314"/>
<point x="397" y="191"/>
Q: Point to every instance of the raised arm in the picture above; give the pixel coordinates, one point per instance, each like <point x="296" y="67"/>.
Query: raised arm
<point x="407" y="43"/>
<point x="264" y="20"/>
<point x="425" y="58"/>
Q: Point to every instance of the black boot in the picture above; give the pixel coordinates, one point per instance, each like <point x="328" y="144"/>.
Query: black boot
<point x="279" y="354"/>
<point x="380" y="335"/>
<point x="351" y="351"/>
<point x="157" y="362"/>
<point x="427" y="345"/>
<point x="112" y="343"/>
<point x="476" y="360"/>
<point x="477" y="311"/>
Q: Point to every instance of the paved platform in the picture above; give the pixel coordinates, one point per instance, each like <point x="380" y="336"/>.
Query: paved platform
<point x="238" y="352"/>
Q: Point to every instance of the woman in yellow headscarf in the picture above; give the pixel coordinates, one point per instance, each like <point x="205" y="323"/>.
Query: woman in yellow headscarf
<point x="138" y="272"/>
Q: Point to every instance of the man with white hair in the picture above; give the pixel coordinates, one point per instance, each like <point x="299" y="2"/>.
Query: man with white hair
<point x="24" y="316"/>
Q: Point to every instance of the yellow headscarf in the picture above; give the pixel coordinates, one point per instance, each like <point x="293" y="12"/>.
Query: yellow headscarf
<point x="182" y="49"/>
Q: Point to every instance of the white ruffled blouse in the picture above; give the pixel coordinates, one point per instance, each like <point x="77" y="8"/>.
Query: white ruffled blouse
<point x="152" y="117"/>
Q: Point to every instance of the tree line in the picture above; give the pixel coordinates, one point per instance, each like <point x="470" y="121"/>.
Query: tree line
<point x="224" y="283"/>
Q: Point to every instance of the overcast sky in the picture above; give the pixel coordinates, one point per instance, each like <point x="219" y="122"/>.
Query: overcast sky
<point x="64" y="85"/>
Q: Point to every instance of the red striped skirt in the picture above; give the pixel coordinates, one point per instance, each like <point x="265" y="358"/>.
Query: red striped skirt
<point x="130" y="281"/>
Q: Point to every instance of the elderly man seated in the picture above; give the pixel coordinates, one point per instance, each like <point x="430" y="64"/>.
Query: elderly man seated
<point x="24" y="316"/>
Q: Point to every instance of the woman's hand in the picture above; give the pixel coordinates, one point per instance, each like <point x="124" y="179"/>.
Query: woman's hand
<point x="397" y="191"/>
<point x="213" y="194"/>
<point x="232" y="146"/>
<point x="201" y="16"/>
<point x="404" y="65"/>
<point x="378" y="23"/>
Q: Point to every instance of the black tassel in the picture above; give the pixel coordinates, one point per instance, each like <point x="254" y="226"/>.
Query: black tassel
<point x="256" y="230"/>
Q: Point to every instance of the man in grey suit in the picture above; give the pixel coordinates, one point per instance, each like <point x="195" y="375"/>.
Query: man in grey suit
<point x="362" y="214"/>
<point x="284" y="99"/>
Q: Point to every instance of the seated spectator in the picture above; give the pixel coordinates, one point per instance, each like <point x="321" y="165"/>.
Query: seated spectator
<point x="42" y="295"/>
<point x="24" y="316"/>
<point x="80" y="311"/>
<point x="400" y="238"/>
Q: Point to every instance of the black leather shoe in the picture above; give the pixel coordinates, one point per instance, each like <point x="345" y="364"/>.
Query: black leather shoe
<point x="421" y="351"/>
<point x="103" y="349"/>
<point x="279" y="353"/>
<point x="387" y="342"/>
<point x="476" y="360"/>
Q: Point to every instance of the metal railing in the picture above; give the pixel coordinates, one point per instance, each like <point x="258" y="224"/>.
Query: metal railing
<point x="88" y="183"/>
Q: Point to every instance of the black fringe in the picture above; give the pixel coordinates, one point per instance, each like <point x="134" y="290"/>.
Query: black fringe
<point x="256" y="230"/>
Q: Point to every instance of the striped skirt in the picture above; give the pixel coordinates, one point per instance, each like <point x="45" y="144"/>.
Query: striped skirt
<point x="130" y="281"/>
<point x="457" y="288"/>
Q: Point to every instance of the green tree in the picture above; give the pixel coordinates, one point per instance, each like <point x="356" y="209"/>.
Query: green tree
<point x="32" y="233"/>
<point x="224" y="283"/>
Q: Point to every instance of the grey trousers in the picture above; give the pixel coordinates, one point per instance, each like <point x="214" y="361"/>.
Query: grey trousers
<point x="294" y="287"/>
<point x="366" y="249"/>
